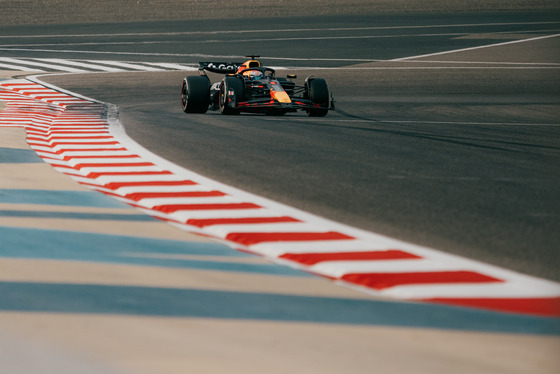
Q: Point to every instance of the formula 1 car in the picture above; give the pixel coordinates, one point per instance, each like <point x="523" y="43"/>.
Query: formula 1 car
<point x="250" y="87"/>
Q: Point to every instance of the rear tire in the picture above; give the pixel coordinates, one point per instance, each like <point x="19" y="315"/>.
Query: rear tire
<point x="318" y="93"/>
<point x="195" y="94"/>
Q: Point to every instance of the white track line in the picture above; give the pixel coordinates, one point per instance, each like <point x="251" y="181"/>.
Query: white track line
<point x="129" y="65"/>
<point x="88" y="65"/>
<point x="41" y="64"/>
<point x="475" y="48"/>
<point x="19" y="67"/>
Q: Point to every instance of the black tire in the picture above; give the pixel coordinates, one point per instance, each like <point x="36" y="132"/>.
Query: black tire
<point x="195" y="94"/>
<point x="230" y="83"/>
<point x="318" y="93"/>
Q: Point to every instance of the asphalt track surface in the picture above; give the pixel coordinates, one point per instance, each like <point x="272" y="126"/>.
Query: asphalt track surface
<point x="455" y="151"/>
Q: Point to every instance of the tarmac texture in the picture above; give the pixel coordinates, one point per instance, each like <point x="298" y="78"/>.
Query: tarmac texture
<point x="35" y="12"/>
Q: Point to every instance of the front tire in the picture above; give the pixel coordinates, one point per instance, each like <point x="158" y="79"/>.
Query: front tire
<point x="195" y="94"/>
<point x="230" y="84"/>
<point x="318" y="93"/>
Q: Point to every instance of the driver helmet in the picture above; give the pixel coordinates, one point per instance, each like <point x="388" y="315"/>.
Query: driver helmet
<point x="253" y="74"/>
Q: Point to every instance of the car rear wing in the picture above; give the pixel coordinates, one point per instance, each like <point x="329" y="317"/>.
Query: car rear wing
<point x="220" y="67"/>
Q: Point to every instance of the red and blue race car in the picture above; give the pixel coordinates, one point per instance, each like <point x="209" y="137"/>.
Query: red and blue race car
<point x="250" y="87"/>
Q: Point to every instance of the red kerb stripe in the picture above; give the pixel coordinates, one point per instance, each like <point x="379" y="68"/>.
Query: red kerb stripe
<point x="117" y="185"/>
<point x="250" y="238"/>
<point x="314" y="258"/>
<point x="34" y="138"/>
<point x="77" y="131"/>
<point x="381" y="281"/>
<point x="123" y="164"/>
<point x="54" y="144"/>
<point x="233" y="221"/>
<point x="51" y="97"/>
<point x="98" y="174"/>
<point x="545" y="306"/>
<point x="57" y="137"/>
<point x="177" y="207"/>
<point x="68" y="158"/>
<point x="137" y="196"/>
<point x="62" y="166"/>
<point x="90" y="150"/>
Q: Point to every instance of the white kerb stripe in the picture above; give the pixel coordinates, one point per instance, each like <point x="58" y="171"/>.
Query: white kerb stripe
<point x="116" y="169"/>
<point x="185" y="215"/>
<point x="77" y="154"/>
<point x="151" y="202"/>
<point x="281" y="227"/>
<point x="69" y="147"/>
<point x="141" y="189"/>
<point x="339" y="268"/>
<point x="469" y="290"/>
<point x="88" y="65"/>
<point x="128" y="160"/>
<point x="138" y="178"/>
<point x="323" y="246"/>
<point x="33" y="63"/>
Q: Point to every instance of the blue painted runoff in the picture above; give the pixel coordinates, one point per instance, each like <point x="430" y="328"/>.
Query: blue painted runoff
<point x="18" y="156"/>
<point x="76" y="215"/>
<point x="59" y="197"/>
<point x="17" y="242"/>
<point x="173" y="302"/>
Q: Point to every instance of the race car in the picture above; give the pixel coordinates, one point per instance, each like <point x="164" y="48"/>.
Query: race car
<point x="250" y="87"/>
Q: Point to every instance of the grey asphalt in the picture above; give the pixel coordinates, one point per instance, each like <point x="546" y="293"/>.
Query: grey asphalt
<point x="461" y="157"/>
